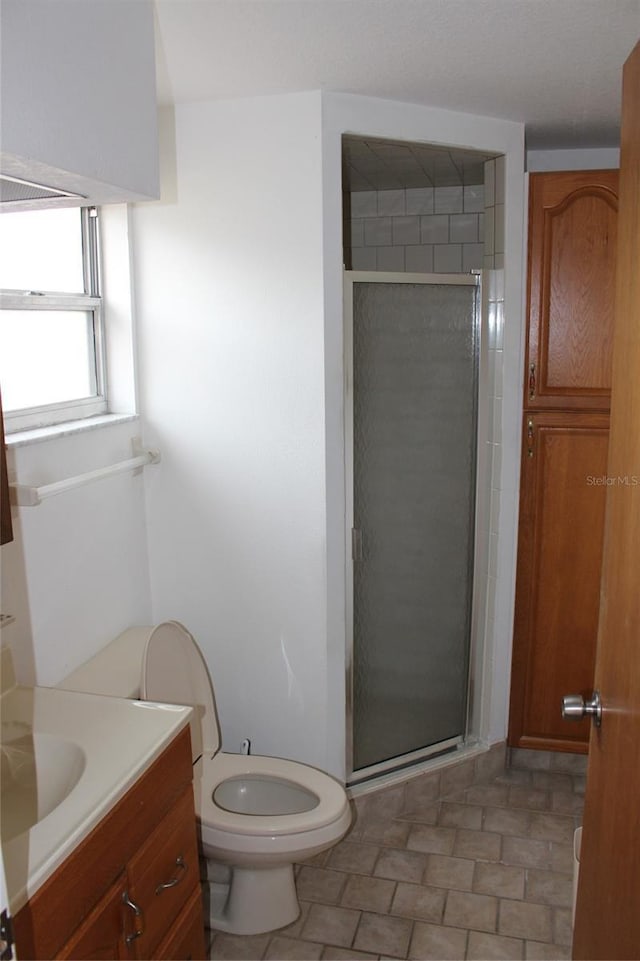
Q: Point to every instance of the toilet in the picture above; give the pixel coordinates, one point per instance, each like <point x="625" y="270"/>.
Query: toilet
<point x="257" y="815"/>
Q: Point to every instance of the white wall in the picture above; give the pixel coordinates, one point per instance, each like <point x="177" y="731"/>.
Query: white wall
<point x="239" y="279"/>
<point x="78" y="95"/>
<point x="595" y="158"/>
<point x="76" y="573"/>
<point x="230" y="309"/>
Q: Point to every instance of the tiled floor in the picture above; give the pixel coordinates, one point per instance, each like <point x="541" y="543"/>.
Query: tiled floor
<point x="485" y="873"/>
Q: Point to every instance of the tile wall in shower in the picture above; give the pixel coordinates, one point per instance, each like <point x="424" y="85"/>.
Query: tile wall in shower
<point x="422" y="229"/>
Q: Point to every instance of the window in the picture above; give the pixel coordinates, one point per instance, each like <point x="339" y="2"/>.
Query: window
<point x="51" y="335"/>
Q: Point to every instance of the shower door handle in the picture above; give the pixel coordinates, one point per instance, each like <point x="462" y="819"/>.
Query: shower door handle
<point x="356" y="544"/>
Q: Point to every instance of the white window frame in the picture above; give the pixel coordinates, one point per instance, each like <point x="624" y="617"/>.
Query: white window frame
<point x="29" y="418"/>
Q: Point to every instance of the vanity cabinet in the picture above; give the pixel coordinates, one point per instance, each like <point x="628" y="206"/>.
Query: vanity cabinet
<point x="131" y="889"/>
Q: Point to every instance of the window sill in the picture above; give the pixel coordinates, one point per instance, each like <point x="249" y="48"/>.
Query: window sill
<point x="23" y="438"/>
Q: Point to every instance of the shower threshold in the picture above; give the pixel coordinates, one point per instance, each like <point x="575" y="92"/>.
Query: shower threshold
<point x="400" y="763"/>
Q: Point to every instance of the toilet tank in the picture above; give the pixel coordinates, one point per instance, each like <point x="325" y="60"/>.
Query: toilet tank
<point x="115" y="670"/>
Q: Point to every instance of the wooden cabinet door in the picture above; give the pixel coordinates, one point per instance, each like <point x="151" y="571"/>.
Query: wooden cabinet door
<point x="101" y="936"/>
<point x="185" y="941"/>
<point x="572" y="255"/>
<point x="563" y="485"/>
<point x="163" y="874"/>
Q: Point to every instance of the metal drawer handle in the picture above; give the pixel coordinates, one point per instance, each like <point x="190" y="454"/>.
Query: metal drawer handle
<point x="181" y="866"/>
<point x="138" y="913"/>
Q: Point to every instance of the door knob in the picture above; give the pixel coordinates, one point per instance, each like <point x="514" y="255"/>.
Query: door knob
<point x="574" y="707"/>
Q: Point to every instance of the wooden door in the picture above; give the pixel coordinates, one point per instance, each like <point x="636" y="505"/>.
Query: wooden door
<point x="608" y="907"/>
<point x="572" y="256"/>
<point x="564" y="460"/>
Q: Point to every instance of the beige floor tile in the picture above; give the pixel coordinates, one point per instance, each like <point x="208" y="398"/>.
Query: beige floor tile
<point x="520" y="919"/>
<point x="282" y="949"/>
<point x="530" y="760"/>
<point x="514" y="776"/>
<point x="561" y="858"/>
<point x="476" y="911"/>
<point x="460" y="815"/>
<point x="579" y="783"/>
<point x="422" y="814"/>
<point x="421" y="790"/>
<point x="500" y="880"/>
<point x="526" y="852"/>
<point x="493" y="947"/>
<point x="564" y="803"/>
<point x="344" y="954"/>
<point x="432" y="840"/>
<point x="549" y="887"/>
<point x="562" y="926"/>
<point x="293" y="930"/>
<point x="569" y="763"/>
<point x="494" y="794"/>
<point x="317" y="861"/>
<point x="490" y="764"/>
<point x="538" y="951"/>
<point x="447" y="872"/>
<point x="479" y="845"/>
<point x="457" y="777"/>
<point x="552" y="781"/>
<point x="235" y="947"/>
<point x="379" y="933"/>
<point x="431" y="942"/>
<point x="507" y="821"/>
<point x="392" y="833"/>
<point x="551" y="827"/>
<point x="530" y="798"/>
<point x="368" y="894"/>
<point x="354" y="857"/>
<point x="401" y="865"/>
<point x="383" y="804"/>
<point x="320" y="884"/>
<point x="328" y="924"/>
<point x="419" y="901"/>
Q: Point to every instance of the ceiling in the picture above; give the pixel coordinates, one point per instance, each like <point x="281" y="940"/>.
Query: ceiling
<point x="554" y="65"/>
<point x="372" y="164"/>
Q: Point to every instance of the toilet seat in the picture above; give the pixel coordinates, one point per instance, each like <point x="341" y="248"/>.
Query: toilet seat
<point x="210" y="773"/>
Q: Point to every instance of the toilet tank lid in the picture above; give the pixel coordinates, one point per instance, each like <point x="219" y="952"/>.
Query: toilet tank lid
<point x="115" y="669"/>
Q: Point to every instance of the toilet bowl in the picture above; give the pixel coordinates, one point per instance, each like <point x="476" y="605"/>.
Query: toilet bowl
<point x="257" y="815"/>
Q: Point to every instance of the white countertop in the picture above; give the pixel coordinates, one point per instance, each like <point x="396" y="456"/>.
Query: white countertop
<point x="120" y="738"/>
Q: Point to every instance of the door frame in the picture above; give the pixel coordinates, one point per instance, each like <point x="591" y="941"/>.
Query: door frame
<point x="477" y="689"/>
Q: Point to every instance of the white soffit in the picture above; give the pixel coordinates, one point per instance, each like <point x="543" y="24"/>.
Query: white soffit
<point x="554" y="65"/>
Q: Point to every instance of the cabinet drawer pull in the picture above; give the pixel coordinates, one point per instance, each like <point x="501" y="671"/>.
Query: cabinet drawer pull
<point x="181" y="866"/>
<point x="138" y="913"/>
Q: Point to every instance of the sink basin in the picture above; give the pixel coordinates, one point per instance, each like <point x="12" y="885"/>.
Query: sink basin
<point x="67" y="758"/>
<point x="38" y="771"/>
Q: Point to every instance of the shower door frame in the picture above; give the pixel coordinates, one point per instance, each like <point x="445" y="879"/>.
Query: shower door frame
<point x="478" y="592"/>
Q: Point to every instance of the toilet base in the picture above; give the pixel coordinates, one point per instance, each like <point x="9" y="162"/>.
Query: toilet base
<point x="257" y="900"/>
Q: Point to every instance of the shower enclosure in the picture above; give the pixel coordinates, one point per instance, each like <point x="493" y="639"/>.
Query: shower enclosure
<point x="412" y="355"/>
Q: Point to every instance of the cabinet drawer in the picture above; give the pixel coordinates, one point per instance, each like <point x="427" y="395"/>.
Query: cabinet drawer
<point x="185" y="940"/>
<point x="164" y="872"/>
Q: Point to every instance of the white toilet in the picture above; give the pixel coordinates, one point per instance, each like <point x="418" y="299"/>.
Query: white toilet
<point x="257" y="815"/>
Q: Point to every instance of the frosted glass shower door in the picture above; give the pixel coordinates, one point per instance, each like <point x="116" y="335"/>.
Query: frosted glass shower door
<point x="415" y="384"/>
